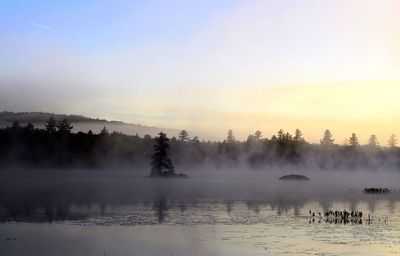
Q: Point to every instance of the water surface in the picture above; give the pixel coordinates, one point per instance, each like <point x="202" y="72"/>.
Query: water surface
<point x="109" y="214"/>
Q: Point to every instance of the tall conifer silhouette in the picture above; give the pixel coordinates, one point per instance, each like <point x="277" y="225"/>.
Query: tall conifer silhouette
<point x="161" y="164"/>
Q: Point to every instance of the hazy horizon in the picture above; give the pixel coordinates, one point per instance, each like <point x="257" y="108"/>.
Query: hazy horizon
<point x="121" y="126"/>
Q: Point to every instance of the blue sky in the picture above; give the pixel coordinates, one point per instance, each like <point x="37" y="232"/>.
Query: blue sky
<point x="181" y="64"/>
<point x="100" y="26"/>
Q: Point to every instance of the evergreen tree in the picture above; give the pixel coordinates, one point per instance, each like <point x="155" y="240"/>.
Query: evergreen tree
<point x="229" y="148"/>
<point x="392" y="141"/>
<point x="29" y="128"/>
<point x="253" y="138"/>
<point x="51" y="125"/>
<point x="257" y="135"/>
<point x="298" y="136"/>
<point x="183" y="136"/>
<point x="230" y="138"/>
<point x="281" y="135"/>
<point x="104" y="132"/>
<point x="287" y="137"/>
<point x="64" y="126"/>
<point x="15" y="126"/>
<point x="373" y="141"/>
<point x="327" y="139"/>
<point x="195" y="139"/>
<point x="353" y="140"/>
<point x="161" y="164"/>
<point x="34" y="147"/>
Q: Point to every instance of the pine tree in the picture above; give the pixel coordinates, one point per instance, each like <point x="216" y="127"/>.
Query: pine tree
<point x="51" y="125"/>
<point x="298" y="136"/>
<point x="230" y="138"/>
<point x="281" y="135"/>
<point x="257" y="135"/>
<point x="373" y="141"/>
<point x="327" y="139"/>
<point x="195" y="139"/>
<point x="183" y="136"/>
<point x="104" y="132"/>
<point x="161" y="164"/>
<point x="64" y="126"/>
<point x="29" y="128"/>
<point x="353" y="140"/>
<point x="392" y="141"/>
<point x="15" y="126"/>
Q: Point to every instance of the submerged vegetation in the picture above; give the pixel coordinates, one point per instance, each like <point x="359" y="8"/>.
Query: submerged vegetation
<point x="353" y="217"/>
<point x="57" y="146"/>
<point x="376" y="191"/>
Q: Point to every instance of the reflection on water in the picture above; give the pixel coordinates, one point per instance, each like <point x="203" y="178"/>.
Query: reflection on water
<point x="197" y="217"/>
<point x="41" y="201"/>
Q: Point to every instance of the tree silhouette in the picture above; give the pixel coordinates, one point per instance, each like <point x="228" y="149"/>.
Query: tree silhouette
<point x="64" y="126"/>
<point x="230" y="138"/>
<point x="183" y="136"/>
<point x="104" y="132"/>
<point x="373" y="141"/>
<point x="392" y="141"/>
<point x="280" y="135"/>
<point x="353" y="140"/>
<point x="257" y="135"/>
<point x="327" y="138"/>
<point x="161" y="164"/>
<point x="29" y="128"/>
<point x="229" y="148"/>
<point x="284" y="138"/>
<point x="51" y="125"/>
<point x="195" y="139"/>
<point x="37" y="147"/>
<point x="298" y="136"/>
<point x="253" y="139"/>
<point x="15" y="126"/>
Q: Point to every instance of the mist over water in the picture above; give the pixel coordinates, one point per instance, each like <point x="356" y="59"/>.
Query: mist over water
<point x="206" y="214"/>
<point x="66" y="190"/>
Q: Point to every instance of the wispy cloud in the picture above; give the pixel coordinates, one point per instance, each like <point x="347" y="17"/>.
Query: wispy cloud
<point x="43" y="26"/>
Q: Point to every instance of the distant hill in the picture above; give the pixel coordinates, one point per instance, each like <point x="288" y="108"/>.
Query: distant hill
<point x="41" y="117"/>
<point x="84" y="124"/>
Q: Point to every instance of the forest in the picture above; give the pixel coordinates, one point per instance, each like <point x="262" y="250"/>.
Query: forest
<point x="56" y="146"/>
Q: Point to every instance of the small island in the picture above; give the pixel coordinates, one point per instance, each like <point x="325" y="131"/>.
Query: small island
<point x="161" y="164"/>
<point x="294" y="177"/>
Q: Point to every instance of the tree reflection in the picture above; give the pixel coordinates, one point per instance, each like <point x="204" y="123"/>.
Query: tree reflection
<point x="87" y="201"/>
<point x="160" y="207"/>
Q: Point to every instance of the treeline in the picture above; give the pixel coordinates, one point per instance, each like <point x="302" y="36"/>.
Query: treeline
<point x="57" y="147"/>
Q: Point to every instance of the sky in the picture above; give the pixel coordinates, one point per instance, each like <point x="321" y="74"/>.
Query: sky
<point x="208" y="66"/>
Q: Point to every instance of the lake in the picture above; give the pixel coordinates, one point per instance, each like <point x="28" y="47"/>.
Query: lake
<point x="212" y="213"/>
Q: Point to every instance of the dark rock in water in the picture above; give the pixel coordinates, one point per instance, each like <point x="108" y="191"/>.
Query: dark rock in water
<point x="170" y="175"/>
<point x="294" y="177"/>
<point x="181" y="175"/>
